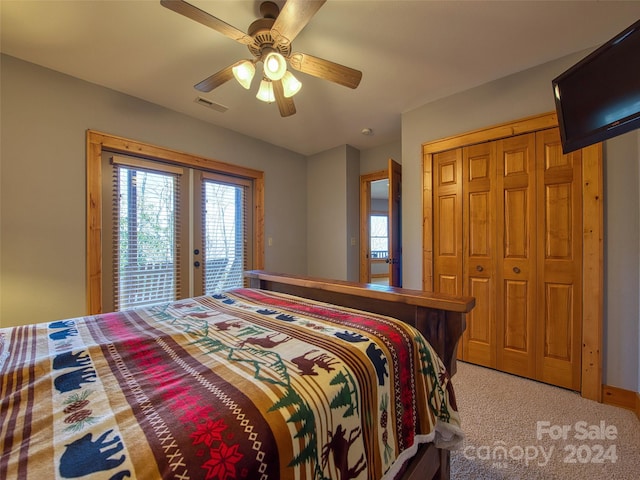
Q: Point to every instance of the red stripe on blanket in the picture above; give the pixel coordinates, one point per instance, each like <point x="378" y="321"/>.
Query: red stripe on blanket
<point x="188" y="420"/>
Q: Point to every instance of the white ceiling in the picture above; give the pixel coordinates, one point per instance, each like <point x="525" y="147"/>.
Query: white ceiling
<point x="410" y="53"/>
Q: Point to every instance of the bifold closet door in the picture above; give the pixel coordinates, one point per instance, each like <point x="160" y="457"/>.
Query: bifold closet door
<point x="479" y="245"/>
<point x="508" y="229"/>
<point x="447" y="222"/>
<point x="516" y="271"/>
<point x="559" y="263"/>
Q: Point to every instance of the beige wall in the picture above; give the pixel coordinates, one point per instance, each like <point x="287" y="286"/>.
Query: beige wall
<point x="518" y="96"/>
<point x="376" y="159"/>
<point x="352" y="239"/>
<point x="44" y="116"/>
<point x="621" y="266"/>
<point x="333" y="183"/>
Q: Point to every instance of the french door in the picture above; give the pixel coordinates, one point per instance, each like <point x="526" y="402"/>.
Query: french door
<point x="221" y="232"/>
<point x="171" y="232"/>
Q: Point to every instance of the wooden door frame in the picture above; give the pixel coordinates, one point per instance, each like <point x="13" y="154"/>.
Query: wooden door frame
<point x="593" y="231"/>
<point x="97" y="142"/>
<point x="365" y="210"/>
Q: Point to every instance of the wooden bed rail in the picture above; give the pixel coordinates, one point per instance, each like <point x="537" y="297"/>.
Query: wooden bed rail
<point x="439" y="317"/>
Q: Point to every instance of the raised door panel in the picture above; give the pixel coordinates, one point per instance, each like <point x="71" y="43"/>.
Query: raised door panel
<point x="478" y="186"/>
<point x="447" y="222"/>
<point x="559" y="262"/>
<point x="448" y="268"/>
<point x="516" y="265"/>
<point x="479" y="337"/>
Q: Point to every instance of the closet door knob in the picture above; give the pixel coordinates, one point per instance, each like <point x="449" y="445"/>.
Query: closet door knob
<point x="479" y="268"/>
<point x="516" y="270"/>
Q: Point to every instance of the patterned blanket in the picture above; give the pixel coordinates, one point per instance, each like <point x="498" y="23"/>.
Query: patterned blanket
<point x="248" y="384"/>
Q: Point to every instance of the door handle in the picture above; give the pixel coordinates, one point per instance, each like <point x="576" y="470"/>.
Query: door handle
<point x="479" y="268"/>
<point x="516" y="270"/>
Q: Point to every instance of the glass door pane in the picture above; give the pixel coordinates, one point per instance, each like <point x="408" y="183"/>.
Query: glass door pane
<point x="145" y="237"/>
<point x="224" y="231"/>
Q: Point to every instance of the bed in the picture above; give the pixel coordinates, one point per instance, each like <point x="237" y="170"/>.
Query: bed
<point x="289" y="378"/>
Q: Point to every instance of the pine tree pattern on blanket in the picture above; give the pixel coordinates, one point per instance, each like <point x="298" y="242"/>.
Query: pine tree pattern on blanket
<point x="247" y="384"/>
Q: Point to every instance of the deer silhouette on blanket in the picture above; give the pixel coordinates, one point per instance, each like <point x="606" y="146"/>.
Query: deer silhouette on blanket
<point x="227" y="324"/>
<point x="338" y="448"/>
<point x="265" y="342"/>
<point x="306" y="364"/>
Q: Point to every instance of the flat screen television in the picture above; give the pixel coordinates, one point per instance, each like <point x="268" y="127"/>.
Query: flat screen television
<point x="599" y="97"/>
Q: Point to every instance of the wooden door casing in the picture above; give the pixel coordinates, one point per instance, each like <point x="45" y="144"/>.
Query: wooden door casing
<point x="393" y="175"/>
<point x="365" y="212"/>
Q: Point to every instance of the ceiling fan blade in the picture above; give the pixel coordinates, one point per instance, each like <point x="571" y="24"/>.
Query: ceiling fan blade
<point x="194" y="13"/>
<point x="325" y="69"/>
<point x="285" y="105"/>
<point x="292" y="19"/>
<point x="217" y="78"/>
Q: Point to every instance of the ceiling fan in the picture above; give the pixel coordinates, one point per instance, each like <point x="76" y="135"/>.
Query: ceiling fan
<point x="269" y="41"/>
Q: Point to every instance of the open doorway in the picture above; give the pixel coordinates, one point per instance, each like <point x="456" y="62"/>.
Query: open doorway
<point x="380" y="245"/>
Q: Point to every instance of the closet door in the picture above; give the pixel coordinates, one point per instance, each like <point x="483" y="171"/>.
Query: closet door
<point x="516" y="269"/>
<point x="559" y="262"/>
<point x="447" y="222"/>
<point x="479" y="220"/>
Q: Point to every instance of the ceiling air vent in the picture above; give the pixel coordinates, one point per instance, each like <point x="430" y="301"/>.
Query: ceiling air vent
<point x="210" y="104"/>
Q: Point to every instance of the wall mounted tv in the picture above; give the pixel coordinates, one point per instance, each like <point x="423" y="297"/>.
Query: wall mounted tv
<point x="599" y="97"/>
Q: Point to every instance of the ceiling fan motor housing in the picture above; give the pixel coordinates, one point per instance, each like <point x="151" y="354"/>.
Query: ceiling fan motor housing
<point x="260" y="30"/>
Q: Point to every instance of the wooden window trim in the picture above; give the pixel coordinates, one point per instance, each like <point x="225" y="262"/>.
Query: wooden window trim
<point x="593" y="228"/>
<point x="97" y="142"/>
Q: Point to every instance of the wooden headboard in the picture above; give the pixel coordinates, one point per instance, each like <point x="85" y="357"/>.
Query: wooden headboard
<point x="439" y="317"/>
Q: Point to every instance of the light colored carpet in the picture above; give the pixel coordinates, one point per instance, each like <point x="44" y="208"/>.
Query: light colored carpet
<point x="515" y="427"/>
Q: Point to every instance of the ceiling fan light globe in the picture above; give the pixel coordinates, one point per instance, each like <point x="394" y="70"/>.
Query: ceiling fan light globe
<point x="244" y="73"/>
<point x="265" y="92"/>
<point x="275" y="66"/>
<point x="290" y="84"/>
